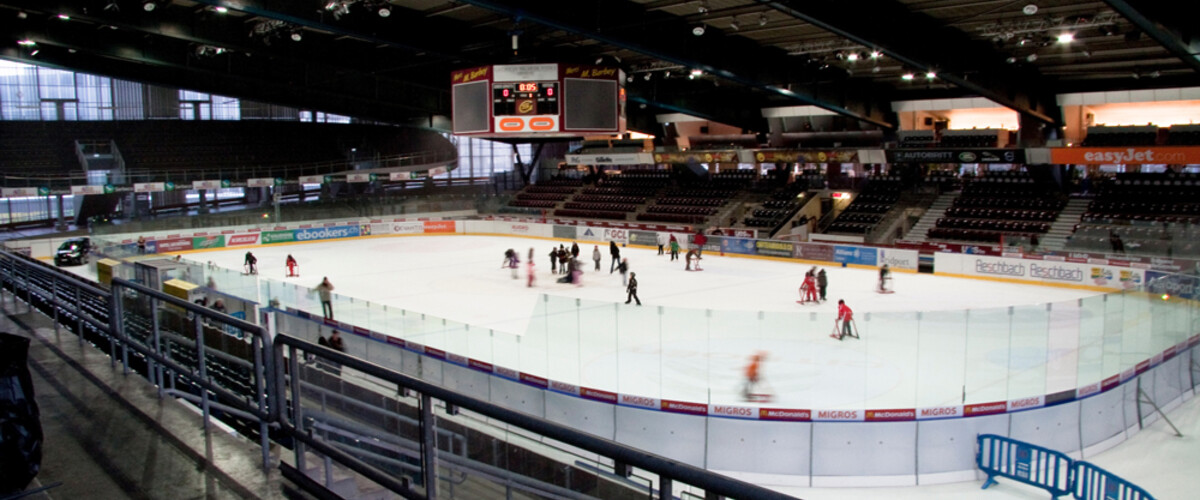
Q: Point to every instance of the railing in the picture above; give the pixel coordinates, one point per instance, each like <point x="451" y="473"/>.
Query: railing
<point x="230" y="367"/>
<point x="64" y="182"/>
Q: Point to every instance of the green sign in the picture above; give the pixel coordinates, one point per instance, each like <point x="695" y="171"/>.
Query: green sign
<point x="279" y="181"/>
<point x="224" y="183"/>
<point x="269" y="237"/>
<point x="109" y="189"/>
<point x="199" y="242"/>
<point x="169" y="186"/>
<point x="43" y="191"/>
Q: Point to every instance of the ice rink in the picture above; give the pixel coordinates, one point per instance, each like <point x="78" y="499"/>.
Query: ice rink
<point x="672" y="347"/>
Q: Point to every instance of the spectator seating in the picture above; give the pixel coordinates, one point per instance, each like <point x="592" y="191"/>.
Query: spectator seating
<point x="998" y="204"/>
<point x="590" y="214"/>
<point x="1183" y="135"/>
<point x="1121" y="136"/>
<point x="917" y="139"/>
<point x="878" y="197"/>
<point x="608" y="207"/>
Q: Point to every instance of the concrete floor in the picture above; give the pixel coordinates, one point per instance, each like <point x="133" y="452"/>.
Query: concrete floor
<point x="108" y="435"/>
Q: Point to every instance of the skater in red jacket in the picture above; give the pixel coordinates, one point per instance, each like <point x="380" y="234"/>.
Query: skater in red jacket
<point x="845" y="316"/>
<point x="292" y="266"/>
<point x="808" y="291"/>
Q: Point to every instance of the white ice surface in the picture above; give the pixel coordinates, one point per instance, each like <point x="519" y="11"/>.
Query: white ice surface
<point x="459" y="277"/>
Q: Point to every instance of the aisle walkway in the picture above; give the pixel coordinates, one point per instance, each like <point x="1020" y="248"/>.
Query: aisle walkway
<point x="108" y="435"/>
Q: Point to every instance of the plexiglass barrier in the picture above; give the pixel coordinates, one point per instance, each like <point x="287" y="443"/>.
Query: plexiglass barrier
<point x="901" y="360"/>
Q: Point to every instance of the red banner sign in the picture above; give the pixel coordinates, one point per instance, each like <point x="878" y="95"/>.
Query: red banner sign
<point x="1125" y="156"/>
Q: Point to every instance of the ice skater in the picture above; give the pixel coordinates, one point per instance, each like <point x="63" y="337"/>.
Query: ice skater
<point x="631" y="289"/>
<point x="750" y="389"/>
<point x="529" y="269"/>
<point x="885" y="279"/>
<point x="692" y="254"/>
<point x="596" y="256"/>
<point x="293" y="267"/>
<point x="616" y="255"/>
<point x="808" y="290"/>
<point x="251" y="263"/>
<point x="623" y="267"/>
<point x="846" y="318"/>
<point x="513" y="263"/>
<point x="674" y="243"/>
<point x="661" y="238"/>
<point x="699" y="240"/>
<point x="553" y="260"/>
<point x="822" y="283"/>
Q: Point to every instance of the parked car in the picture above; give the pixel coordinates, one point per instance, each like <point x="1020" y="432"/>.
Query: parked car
<point x="73" y="251"/>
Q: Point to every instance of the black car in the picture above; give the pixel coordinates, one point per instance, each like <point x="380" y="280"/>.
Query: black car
<point x="74" y="250"/>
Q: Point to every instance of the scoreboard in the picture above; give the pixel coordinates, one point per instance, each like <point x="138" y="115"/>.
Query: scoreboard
<point x="538" y="100"/>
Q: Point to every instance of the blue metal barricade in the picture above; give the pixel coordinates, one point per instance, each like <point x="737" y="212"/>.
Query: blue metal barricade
<point x="1024" y="462"/>
<point x="1094" y="483"/>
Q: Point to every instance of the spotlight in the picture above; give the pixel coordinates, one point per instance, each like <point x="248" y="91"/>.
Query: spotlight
<point x="698" y="31"/>
<point x="22" y="15"/>
<point x="1011" y="60"/>
<point x="35" y="52"/>
<point x="297" y="36"/>
<point x="1155" y="74"/>
<point x="762" y="19"/>
<point x="907" y="77"/>
<point x="703" y="7"/>
<point x="853" y="56"/>
<point x="930" y="75"/>
<point x="331" y="6"/>
<point x="1031" y="57"/>
<point x="875" y="54"/>
<point x="839" y="55"/>
<point x="63" y="17"/>
<point x="1030" y="9"/>
<point x="696" y="72"/>
<point x="733" y="25"/>
<point x="384" y="11"/>
<point x="220" y="10"/>
<point x="26" y="43"/>
<point x="646" y="77"/>
<point x="875" y="69"/>
<point x="1066" y="38"/>
<point x="149" y="5"/>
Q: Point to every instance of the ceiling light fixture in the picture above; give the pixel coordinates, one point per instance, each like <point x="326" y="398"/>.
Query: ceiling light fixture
<point x="853" y="56"/>
<point x="907" y="77"/>
<point x="646" y="77"/>
<point x="1031" y="57"/>
<point x="63" y="17"/>
<point x="696" y="72"/>
<point x="220" y="10"/>
<point x="1030" y="9"/>
<point x="149" y="5"/>
<point x="26" y="43"/>
<point x="698" y="31"/>
<point x="875" y="54"/>
<point x="385" y="10"/>
<point x="930" y="75"/>
<point x="733" y="25"/>
<point x="297" y="36"/>
<point x="1066" y="38"/>
<point x="703" y="7"/>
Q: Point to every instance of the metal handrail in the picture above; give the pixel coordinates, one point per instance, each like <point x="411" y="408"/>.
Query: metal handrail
<point x="618" y="452"/>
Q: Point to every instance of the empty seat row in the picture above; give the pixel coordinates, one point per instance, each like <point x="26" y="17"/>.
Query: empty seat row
<point x="993" y="225"/>
<point x="677" y="218"/>
<point x="590" y="214"/>
<point x="707" y="202"/>
<point x="621" y="191"/>
<point x="680" y="209"/>
<point x="1002" y="213"/>
<point x="1005" y="202"/>
<point x="974" y="235"/>
<point x="608" y="207"/>
<point x="532" y="203"/>
<point x="543" y="196"/>
<point x="605" y="198"/>
<point x="549" y="189"/>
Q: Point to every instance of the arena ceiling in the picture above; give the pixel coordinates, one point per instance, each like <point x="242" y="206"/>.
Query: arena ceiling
<point x="346" y="57"/>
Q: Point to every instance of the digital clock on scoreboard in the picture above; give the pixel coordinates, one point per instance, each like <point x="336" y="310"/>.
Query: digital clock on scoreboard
<point x="527" y="87"/>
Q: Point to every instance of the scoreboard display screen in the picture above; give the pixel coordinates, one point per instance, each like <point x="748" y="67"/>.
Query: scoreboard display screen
<point x="525" y="98"/>
<point x="537" y="100"/>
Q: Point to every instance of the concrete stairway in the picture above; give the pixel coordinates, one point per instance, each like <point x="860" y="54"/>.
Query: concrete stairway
<point x="935" y="212"/>
<point x="1064" y="225"/>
